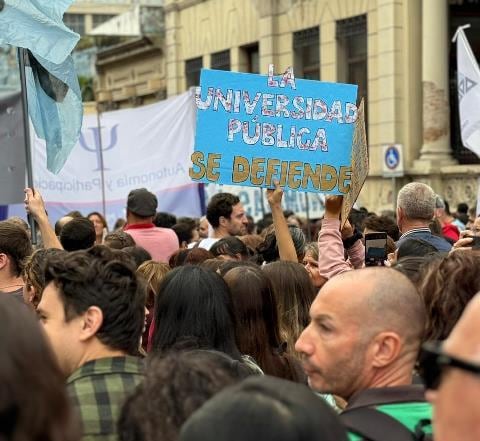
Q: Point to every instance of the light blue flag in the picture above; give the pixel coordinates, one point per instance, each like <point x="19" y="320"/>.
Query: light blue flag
<point x="55" y="107"/>
<point x="54" y="96"/>
<point x="37" y="25"/>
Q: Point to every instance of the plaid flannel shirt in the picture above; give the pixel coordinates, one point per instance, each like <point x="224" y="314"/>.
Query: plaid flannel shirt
<point x="98" y="390"/>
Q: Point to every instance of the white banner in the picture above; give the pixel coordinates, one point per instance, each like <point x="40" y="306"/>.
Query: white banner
<point x="146" y="147"/>
<point x="255" y="202"/>
<point x="468" y="83"/>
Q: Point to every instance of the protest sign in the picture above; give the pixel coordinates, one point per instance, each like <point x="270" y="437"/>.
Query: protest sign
<point x="255" y="129"/>
<point x="359" y="164"/>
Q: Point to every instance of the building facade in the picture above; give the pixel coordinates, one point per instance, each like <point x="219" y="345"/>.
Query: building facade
<point x="397" y="51"/>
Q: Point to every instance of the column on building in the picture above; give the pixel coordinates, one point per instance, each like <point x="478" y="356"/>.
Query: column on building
<point x="436" y="148"/>
<point x="172" y="16"/>
<point x="267" y="33"/>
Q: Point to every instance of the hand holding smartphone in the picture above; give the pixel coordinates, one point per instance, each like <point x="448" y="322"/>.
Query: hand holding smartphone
<point x="375" y="249"/>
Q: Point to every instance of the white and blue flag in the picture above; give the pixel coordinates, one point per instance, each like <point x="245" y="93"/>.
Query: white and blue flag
<point x="468" y="83"/>
<point x="54" y="96"/>
<point x="37" y="25"/>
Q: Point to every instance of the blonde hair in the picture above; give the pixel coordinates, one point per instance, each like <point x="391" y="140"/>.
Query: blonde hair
<point x="153" y="272"/>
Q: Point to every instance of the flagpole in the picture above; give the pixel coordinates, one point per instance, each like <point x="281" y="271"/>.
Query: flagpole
<point x="102" y="171"/>
<point x="22" y="57"/>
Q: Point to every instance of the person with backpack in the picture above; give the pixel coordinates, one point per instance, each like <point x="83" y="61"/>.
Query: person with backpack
<point x="362" y="345"/>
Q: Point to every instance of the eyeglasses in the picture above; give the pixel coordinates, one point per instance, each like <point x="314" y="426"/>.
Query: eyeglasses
<point x="433" y="361"/>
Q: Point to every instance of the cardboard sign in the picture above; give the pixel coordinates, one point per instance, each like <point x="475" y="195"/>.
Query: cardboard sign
<point x="359" y="165"/>
<point x="255" y="129"/>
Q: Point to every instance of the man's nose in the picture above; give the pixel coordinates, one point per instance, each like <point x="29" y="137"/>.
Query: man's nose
<point x="431" y="396"/>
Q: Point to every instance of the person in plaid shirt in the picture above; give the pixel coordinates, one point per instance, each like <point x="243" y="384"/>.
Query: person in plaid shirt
<point x="93" y="311"/>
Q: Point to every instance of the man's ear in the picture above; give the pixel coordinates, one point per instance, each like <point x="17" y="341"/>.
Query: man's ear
<point x="3" y="260"/>
<point x="92" y="322"/>
<point x="222" y="221"/>
<point x="399" y="215"/>
<point x="386" y="349"/>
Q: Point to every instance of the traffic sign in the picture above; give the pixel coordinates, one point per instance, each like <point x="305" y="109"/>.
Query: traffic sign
<point x="392" y="161"/>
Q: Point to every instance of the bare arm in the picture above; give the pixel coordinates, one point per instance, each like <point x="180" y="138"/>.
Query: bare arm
<point x="286" y="248"/>
<point x="35" y="206"/>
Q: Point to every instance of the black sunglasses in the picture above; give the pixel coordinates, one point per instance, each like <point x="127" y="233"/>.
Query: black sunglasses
<point x="433" y="361"/>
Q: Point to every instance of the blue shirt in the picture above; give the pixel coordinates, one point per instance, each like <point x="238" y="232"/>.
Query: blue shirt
<point x="425" y="234"/>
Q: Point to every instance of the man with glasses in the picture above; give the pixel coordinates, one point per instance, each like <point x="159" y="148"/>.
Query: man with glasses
<point x="451" y="372"/>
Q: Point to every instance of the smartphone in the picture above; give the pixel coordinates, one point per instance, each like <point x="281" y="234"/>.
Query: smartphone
<point x="375" y="249"/>
<point x="476" y="243"/>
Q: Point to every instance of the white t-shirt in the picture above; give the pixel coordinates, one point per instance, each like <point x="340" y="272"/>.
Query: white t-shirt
<point x="205" y="243"/>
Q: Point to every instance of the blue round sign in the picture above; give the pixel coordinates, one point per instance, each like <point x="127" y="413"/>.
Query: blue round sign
<point x="392" y="157"/>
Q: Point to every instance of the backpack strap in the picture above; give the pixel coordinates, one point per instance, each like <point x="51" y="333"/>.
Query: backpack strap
<point x="375" y="425"/>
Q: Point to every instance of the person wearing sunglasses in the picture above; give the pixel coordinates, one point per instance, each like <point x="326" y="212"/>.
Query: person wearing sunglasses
<point x="451" y="373"/>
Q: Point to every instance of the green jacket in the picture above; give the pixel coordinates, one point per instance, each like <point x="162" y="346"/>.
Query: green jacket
<point x="406" y="404"/>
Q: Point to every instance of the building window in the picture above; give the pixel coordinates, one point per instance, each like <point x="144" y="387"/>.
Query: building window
<point x="306" y="49"/>
<point x="98" y="19"/>
<point x="192" y="71"/>
<point x="76" y="22"/>
<point x="221" y="60"/>
<point x="252" y="58"/>
<point x="352" y="53"/>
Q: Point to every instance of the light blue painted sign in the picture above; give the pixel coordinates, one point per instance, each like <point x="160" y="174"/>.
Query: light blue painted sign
<point x="255" y="129"/>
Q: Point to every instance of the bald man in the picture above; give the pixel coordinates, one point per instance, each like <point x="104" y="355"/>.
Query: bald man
<point x="455" y="400"/>
<point x="362" y="344"/>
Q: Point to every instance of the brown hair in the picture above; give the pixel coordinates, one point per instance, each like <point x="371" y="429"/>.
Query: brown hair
<point x="15" y="243"/>
<point x="176" y="385"/>
<point x="257" y="328"/>
<point x="193" y="256"/>
<point x="33" y="401"/>
<point x="382" y="223"/>
<point x="153" y="272"/>
<point x="294" y="293"/>
<point x="33" y="273"/>
<point x="100" y="216"/>
<point x="118" y="240"/>
<point x="448" y="284"/>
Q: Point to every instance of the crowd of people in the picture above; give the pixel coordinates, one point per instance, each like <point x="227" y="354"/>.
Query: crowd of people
<point x="224" y="329"/>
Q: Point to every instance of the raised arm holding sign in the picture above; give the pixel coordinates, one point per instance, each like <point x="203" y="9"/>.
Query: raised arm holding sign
<point x="253" y="130"/>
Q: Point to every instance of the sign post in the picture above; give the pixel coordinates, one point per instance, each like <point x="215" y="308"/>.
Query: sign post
<point x="392" y="166"/>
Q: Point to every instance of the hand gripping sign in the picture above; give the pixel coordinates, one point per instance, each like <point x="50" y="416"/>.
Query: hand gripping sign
<point x="253" y="130"/>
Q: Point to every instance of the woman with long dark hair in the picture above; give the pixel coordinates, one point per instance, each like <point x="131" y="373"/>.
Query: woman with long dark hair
<point x="33" y="402"/>
<point x="193" y="308"/>
<point x="257" y="328"/>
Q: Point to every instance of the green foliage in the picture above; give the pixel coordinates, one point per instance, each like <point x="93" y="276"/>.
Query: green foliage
<point x="86" y="86"/>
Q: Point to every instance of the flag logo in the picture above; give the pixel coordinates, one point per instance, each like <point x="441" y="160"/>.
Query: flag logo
<point x="465" y="85"/>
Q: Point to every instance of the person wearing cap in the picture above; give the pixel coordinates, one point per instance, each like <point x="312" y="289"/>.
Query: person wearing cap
<point x="161" y="243"/>
<point x="451" y="372"/>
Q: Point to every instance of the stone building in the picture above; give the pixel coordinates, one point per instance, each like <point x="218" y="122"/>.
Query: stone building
<point x="397" y="51"/>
